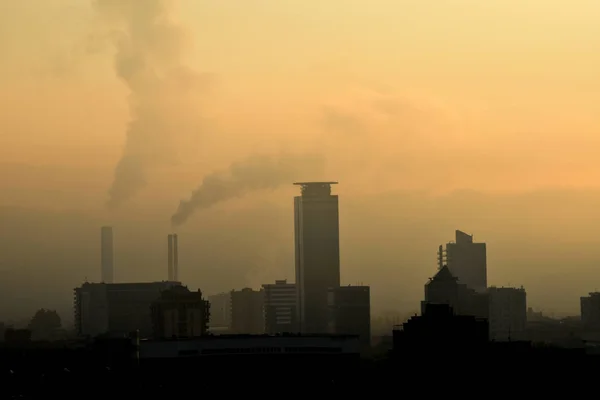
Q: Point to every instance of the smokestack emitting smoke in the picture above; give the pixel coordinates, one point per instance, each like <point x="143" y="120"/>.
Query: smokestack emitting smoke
<point x="106" y="255"/>
<point x="255" y="173"/>
<point x="175" y="259"/>
<point x="170" y="258"/>
<point x="149" y="60"/>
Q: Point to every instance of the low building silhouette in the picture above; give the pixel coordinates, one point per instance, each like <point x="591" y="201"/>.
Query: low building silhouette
<point x="508" y="313"/>
<point x="116" y="309"/>
<point x="350" y="312"/>
<point x="444" y="288"/>
<point x="220" y="312"/>
<point x="440" y="330"/>
<point x="280" y="308"/>
<point x="178" y="312"/>
<point x="247" y="315"/>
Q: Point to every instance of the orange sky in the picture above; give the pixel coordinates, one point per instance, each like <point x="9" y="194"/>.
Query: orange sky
<point x="504" y="90"/>
<point x="495" y="96"/>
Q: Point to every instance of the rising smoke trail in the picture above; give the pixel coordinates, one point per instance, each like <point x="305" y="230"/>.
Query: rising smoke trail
<point x="149" y="49"/>
<point x="254" y="173"/>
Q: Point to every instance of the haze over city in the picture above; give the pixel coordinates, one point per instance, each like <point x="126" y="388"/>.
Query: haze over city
<point x="478" y="116"/>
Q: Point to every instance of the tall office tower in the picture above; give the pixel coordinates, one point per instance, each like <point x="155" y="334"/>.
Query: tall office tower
<point x="316" y="224"/>
<point x="107" y="258"/>
<point x="466" y="260"/>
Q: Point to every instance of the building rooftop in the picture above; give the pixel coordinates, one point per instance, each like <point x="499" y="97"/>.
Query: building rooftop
<point x="315" y="188"/>
<point x="444" y="275"/>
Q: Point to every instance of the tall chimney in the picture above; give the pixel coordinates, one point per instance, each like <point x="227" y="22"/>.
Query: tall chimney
<point x="107" y="258"/>
<point x="175" y="259"/>
<point x="170" y="258"/>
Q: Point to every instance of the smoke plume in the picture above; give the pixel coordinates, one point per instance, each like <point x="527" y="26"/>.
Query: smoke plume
<point x="254" y="173"/>
<point x="149" y="50"/>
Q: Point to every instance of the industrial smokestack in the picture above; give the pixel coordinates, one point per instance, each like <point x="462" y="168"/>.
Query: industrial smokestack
<point x="106" y="255"/>
<point x="175" y="259"/>
<point x="170" y="258"/>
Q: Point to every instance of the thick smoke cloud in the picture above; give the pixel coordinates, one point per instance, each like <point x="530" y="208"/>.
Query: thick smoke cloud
<point x="149" y="59"/>
<point x="254" y="173"/>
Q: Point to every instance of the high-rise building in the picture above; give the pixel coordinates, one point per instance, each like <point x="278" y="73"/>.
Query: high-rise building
<point x="107" y="258"/>
<point x="466" y="260"/>
<point x="317" y="240"/>
<point x="350" y="312"/>
<point x="116" y="308"/>
<point x="247" y="316"/>
<point x="180" y="312"/>
<point x="508" y="313"/>
<point x="280" y="307"/>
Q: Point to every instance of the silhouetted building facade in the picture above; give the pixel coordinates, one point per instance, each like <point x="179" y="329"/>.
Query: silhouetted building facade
<point x="466" y="260"/>
<point x="317" y="248"/>
<point x="444" y="288"/>
<point x="247" y="315"/>
<point x="180" y="313"/>
<point x="590" y="312"/>
<point x="350" y="312"/>
<point x="280" y="307"/>
<point x="220" y="310"/>
<point x="590" y="320"/>
<point x="117" y="308"/>
<point x="107" y="258"/>
<point x="508" y="313"/>
<point x="439" y="330"/>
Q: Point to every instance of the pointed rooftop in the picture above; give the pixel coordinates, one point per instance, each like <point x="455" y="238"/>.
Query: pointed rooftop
<point x="444" y="275"/>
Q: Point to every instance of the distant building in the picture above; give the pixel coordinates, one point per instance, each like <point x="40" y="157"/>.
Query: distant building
<point x="117" y="308"/>
<point x="317" y="240"/>
<point x="508" y="313"/>
<point x="180" y="313"/>
<point x="220" y="310"/>
<point x="247" y="314"/>
<point x="280" y="309"/>
<point x="466" y="260"/>
<point x="444" y="288"/>
<point x="350" y="312"/>
<point x="590" y="317"/>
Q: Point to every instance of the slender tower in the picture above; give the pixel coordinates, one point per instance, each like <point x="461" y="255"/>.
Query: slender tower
<point x="316" y="224"/>
<point x="107" y="258"/>
<point x="170" y="258"/>
<point x="175" y="259"/>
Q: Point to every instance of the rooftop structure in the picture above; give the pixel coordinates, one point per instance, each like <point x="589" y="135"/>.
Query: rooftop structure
<point x="315" y="188"/>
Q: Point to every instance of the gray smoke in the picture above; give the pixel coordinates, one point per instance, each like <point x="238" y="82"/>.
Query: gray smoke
<point x="149" y="49"/>
<point x="254" y="173"/>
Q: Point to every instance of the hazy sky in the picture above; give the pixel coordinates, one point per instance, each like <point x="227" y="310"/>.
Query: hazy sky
<point x="404" y="99"/>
